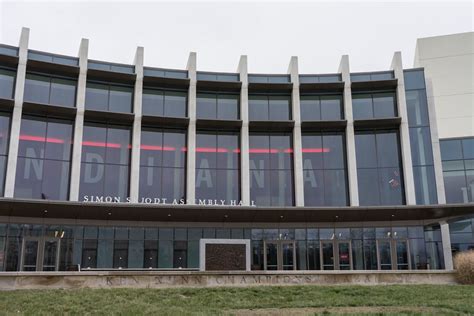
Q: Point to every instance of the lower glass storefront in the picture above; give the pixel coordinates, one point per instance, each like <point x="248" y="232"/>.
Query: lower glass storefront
<point x="32" y="247"/>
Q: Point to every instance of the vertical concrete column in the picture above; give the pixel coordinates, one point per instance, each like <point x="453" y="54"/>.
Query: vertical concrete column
<point x="137" y="126"/>
<point x="191" y="153"/>
<point x="79" y="121"/>
<point x="397" y="68"/>
<point x="244" y="132"/>
<point x="297" y="142"/>
<point x="446" y="240"/>
<point x="350" y="135"/>
<point x="438" y="167"/>
<point x="17" y="111"/>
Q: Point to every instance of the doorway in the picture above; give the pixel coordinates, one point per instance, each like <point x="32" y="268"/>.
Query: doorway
<point x="40" y="254"/>
<point x="336" y="255"/>
<point x="393" y="254"/>
<point x="279" y="255"/>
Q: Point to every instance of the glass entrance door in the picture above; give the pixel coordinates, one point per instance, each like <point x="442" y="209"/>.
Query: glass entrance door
<point x="344" y="255"/>
<point x="279" y="255"/>
<point x="327" y="255"/>
<point x="393" y="254"/>
<point x="40" y="254"/>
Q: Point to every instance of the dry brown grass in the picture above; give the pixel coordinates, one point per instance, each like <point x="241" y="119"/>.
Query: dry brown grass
<point x="464" y="265"/>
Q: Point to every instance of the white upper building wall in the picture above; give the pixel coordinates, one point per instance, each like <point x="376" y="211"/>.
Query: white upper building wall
<point x="449" y="69"/>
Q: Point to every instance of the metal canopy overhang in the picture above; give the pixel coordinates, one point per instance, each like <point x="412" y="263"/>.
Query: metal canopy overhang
<point x="196" y="213"/>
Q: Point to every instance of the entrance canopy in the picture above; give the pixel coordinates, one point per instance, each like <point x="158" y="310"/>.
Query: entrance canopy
<point x="205" y="213"/>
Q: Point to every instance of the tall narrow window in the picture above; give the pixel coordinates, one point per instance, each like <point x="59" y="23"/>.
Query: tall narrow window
<point x="271" y="169"/>
<point x="218" y="167"/>
<point x="7" y="83"/>
<point x="324" y="170"/>
<point x="379" y="168"/>
<point x="105" y="163"/>
<point x="44" y="156"/>
<point x="4" y="141"/>
<point x="162" y="165"/>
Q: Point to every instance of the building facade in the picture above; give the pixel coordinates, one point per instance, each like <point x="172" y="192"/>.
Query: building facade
<point x="113" y="166"/>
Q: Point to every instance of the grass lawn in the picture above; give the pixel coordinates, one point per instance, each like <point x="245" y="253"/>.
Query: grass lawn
<point x="269" y="300"/>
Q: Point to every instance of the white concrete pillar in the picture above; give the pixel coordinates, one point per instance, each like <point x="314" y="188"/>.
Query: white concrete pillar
<point x="79" y="122"/>
<point x="297" y="139"/>
<point x="350" y="135"/>
<point x="137" y="126"/>
<point x="405" y="148"/>
<point x="244" y="132"/>
<point x="446" y="240"/>
<point x="17" y="112"/>
<point x="191" y="152"/>
<point x="438" y="167"/>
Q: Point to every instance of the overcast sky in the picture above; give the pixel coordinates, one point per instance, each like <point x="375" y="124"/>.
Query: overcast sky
<point x="268" y="32"/>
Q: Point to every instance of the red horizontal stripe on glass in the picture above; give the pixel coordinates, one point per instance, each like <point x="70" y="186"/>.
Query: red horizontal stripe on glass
<point x="263" y="151"/>
<point x="316" y="150"/>
<point x="101" y="144"/>
<point x="153" y="147"/>
<point x="42" y="139"/>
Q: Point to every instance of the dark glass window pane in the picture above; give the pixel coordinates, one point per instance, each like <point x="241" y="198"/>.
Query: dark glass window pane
<point x="451" y="149"/>
<point x="384" y="105"/>
<point x="32" y="138"/>
<point x="97" y="96"/>
<point x="206" y="184"/>
<point x="258" y="108"/>
<point x="333" y="151"/>
<point x="279" y="108"/>
<point x="153" y="102"/>
<point x="228" y="107"/>
<point x="173" y="183"/>
<point x="368" y="187"/>
<point x="310" y="108"/>
<point x="55" y="180"/>
<point x="118" y="145"/>
<point x="417" y="108"/>
<point x="313" y="187"/>
<point x="151" y="148"/>
<point x="59" y="140"/>
<point x="116" y="181"/>
<point x="391" y="186"/>
<point x="4" y="133"/>
<point x="425" y="185"/>
<point x="331" y="108"/>
<point x="94" y="143"/>
<point x="468" y="148"/>
<point x="362" y="106"/>
<point x="92" y="180"/>
<point x="120" y="99"/>
<point x="150" y="182"/>
<point x="63" y="92"/>
<point x="206" y="106"/>
<point x="455" y="187"/>
<point x="420" y="142"/>
<point x="335" y="188"/>
<point x="206" y="148"/>
<point x="387" y="150"/>
<point x="228" y="151"/>
<point x="260" y="187"/>
<point x="281" y="184"/>
<point x="7" y="83"/>
<point x="281" y="152"/>
<point x="174" y="145"/>
<point x="414" y="79"/>
<point x="365" y="151"/>
<point x="312" y="152"/>
<point x="37" y="88"/>
<point x="29" y="176"/>
<point x="228" y="185"/>
<point x="259" y="151"/>
<point x="175" y="104"/>
<point x="3" y="168"/>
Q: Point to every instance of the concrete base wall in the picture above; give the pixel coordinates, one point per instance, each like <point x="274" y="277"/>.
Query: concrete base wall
<point x="154" y="279"/>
